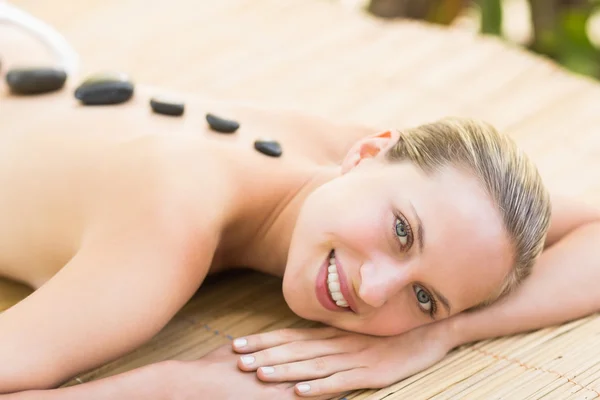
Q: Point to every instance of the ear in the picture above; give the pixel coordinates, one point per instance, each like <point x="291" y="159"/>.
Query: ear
<point x="368" y="148"/>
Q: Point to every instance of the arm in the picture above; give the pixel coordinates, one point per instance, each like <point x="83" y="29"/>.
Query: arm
<point x="569" y="267"/>
<point x="127" y="281"/>
<point x="149" y="382"/>
<point x="214" y="376"/>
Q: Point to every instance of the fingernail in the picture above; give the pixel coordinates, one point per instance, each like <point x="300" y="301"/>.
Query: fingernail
<point x="247" y="360"/>
<point x="267" y="370"/>
<point x="240" y="342"/>
<point x="303" y="387"/>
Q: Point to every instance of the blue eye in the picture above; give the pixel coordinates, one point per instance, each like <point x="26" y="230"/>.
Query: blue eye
<point x="402" y="232"/>
<point x="426" y="302"/>
<point x="423" y="298"/>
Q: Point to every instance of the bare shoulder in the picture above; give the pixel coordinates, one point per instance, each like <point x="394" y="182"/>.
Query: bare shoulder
<point x="158" y="187"/>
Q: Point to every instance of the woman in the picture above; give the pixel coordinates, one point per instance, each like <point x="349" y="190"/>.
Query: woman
<point x="123" y="214"/>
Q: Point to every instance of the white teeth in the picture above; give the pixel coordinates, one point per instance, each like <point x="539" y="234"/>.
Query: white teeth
<point x="337" y="296"/>
<point x="334" y="286"/>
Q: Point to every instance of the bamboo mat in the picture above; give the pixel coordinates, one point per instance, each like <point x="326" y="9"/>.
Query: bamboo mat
<point x="317" y="56"/>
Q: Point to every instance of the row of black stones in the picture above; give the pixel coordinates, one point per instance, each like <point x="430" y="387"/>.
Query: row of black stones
<point x="105" y="89"/>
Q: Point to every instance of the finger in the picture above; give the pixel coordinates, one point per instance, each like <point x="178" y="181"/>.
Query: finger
<point x="335" y="384"/>
<point x="296" y="351"/>
<point x="319" y="367"/>
<point x="290" y="394"/>
<point x="261" y="341"/>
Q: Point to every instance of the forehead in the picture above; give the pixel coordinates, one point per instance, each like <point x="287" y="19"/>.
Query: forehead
<point x="466" y="252"/>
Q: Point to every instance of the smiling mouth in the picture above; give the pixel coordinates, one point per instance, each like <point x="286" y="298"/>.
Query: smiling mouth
<point x="332" y="286"/>
<point x="333" y="283"/>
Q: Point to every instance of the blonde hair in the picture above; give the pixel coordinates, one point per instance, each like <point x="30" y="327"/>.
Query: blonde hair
<point x="508" y="176"/>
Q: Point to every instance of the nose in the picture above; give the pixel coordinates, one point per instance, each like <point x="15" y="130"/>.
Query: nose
<point x="380" y="281"/>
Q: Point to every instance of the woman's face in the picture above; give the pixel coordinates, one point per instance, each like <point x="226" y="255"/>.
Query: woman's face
<point x="386" y="248"/>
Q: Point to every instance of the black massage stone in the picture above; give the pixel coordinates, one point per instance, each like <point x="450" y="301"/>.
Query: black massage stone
<point x="166" y="107"/>
<point x="29" y="81"/>
<point x="221" y="124"/>
<point x="104" y="89"/>
<point x="269" y="147"/>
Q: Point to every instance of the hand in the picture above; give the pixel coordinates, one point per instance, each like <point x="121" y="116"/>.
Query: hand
<point x="215" y="376"/>
<point x="329" y="361"/>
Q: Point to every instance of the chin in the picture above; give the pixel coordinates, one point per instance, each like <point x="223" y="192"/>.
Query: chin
<point x="293" y="298"/>
<point x="297" y="302"/>
<point x="299" y="308"/>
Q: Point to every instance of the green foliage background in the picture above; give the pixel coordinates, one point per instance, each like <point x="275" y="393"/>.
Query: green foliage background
<point x="559" y="26"/>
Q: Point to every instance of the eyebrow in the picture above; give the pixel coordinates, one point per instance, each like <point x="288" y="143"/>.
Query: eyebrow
<point x="420" y="229"/>
<point x="442" y="300"/>
<point x="421" y="240"/>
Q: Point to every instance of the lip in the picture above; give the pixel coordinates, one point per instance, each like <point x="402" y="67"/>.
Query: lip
<point x="323" y="292"/>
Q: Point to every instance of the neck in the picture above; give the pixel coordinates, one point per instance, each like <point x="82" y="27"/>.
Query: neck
<point x="265" y="211"/>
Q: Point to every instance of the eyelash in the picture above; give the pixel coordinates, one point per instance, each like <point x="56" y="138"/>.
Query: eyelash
<point x="433" y="310"/>
<point x="398" y="216"/>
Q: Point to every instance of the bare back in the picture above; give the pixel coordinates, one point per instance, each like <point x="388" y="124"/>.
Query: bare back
<point x="55" y="154"/>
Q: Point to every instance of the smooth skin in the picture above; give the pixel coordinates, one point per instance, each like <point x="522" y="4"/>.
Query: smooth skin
<point x="107" y="209"/>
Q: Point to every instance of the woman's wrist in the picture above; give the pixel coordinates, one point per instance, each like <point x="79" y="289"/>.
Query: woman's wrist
<point x="450" y="331"/>
<point x="165" y="376"/>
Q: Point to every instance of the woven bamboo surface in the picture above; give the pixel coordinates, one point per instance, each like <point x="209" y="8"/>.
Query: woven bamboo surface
<point x="317" y="56"/>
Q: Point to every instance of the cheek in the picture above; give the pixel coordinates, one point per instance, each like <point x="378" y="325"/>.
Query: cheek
<point x="346" y="216"/>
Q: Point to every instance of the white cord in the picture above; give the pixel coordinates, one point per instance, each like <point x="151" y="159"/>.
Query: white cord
<point x="44" y="32"/>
